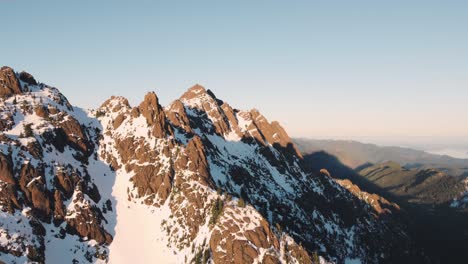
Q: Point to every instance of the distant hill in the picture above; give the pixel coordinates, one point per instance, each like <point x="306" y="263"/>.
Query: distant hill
<point x="437" y="222"/>
<point x="355" y="154"/>
<point x="424" y="186"/>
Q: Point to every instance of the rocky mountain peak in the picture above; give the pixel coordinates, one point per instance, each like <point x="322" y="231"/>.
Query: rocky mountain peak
<point x="154" y="114"/>
<point x="9" y="83"/>
<point x="115" y="103"/>
<point x="194" y="91"/>
<point x="197" y="95"/>
<point x="257" y="125"/>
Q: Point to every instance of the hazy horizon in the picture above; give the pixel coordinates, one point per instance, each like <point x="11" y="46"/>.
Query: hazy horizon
<point x="456" y="147"/>
<point x="349" y="70"/>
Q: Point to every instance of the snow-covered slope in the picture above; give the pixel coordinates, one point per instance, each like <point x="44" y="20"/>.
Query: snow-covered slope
<point x="197" y="181"/>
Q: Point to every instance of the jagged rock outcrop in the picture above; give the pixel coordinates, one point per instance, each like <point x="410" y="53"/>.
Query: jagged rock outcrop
<point x="154" y="114"/>
<point x="9" y="83"/>
<point x="85" y="220"/>
<point x="32" y="185"/>
<point x="177" y="115"/>
<point x="6" y="169"/>
<point x="378" y="203"/>
<point x="45" y="151"/>
<point x="27" y="78"/>
<point x="204" y="102"/>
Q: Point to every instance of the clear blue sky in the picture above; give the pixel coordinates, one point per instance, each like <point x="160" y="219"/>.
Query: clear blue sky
<point x="322" y="68"/>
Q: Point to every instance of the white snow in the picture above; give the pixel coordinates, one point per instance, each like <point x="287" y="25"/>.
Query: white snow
<point x="139" y="238"/>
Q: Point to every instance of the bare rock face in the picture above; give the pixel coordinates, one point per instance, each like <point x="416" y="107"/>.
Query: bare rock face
<point x="66" y="182"/>
<point x="273" y="133"/>
<point x="118" y="121"/>
<point x="86" y="221"/>
<point x="197" y="160"/>
<point x="378" y="203"/>
<point x="9" y="84"/>
<point x="177" y="116"/>
<point x="6" y="169"/>
<point x="205" y="103"/>
<point x="75" y="134"/>
<point x="41" y="111"/>
<point x="7" y="122"/>
<point x="59" y="208"/>
<point x="8" y="200"/>
<point x="152" y="182"/>
<point x="154" y="115"/>
<point x="121" y="103"/>
<point x="230" y="114"/>
<point x="27" y="78"/>
<point x="225" y="246"/>
<point x="32" y="183"/>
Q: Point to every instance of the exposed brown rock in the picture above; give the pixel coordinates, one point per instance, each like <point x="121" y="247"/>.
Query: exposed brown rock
<point x="178" y="116"/>
<point x="234" y="251"/>
<point x="262" y="236"/>
<point x="7" y="122"/>
<point x="227" y="246"/>
<point x="6" y="169"/>
<point x="59" y="208"/>
<point x="230" y="114"/>
<point x="325" y="172"/>
<point x="32" y="184"/>
<point x="209" y="105"/>
<point x="41" y="111"/>
<point x="135" y="112"/>
<point x="66" y="182"/>
<point x="52" y="110"/>
<point x="9" y="84"/>
<point x="130" y="148"/>
<point x="151" y="181"/>
<point x="270" y="259"/>
<point x="118" y="121"/>
<point x="35" y="149"/>
<point x="116" y="103"/>
<point x="197" y="160"/>
<point x="87" y="223"/>
<point x="75" y="134"/>
<point x="378" y="203"/>
<point x="8" y="200"/>
<point x="299" y="253"/>
<point x="193" y="92"/>
<point x="274" y="134"/>
<point x="155" y="116"/>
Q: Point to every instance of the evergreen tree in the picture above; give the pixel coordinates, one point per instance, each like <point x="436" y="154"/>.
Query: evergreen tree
<point x="28" y="132"/>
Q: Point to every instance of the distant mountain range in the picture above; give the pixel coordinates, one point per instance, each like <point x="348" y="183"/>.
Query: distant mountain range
<point x="431" y="189"/>
<point x="354" y="154"/>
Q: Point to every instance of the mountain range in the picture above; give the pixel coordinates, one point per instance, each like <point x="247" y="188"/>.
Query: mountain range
<point x="197" y="181"/>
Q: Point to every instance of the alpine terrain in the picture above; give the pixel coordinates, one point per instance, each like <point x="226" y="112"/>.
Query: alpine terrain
<point x="197" y="181"/>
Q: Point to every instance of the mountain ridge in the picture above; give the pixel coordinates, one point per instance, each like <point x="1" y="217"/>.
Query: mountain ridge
<point x="221" y="184"/>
